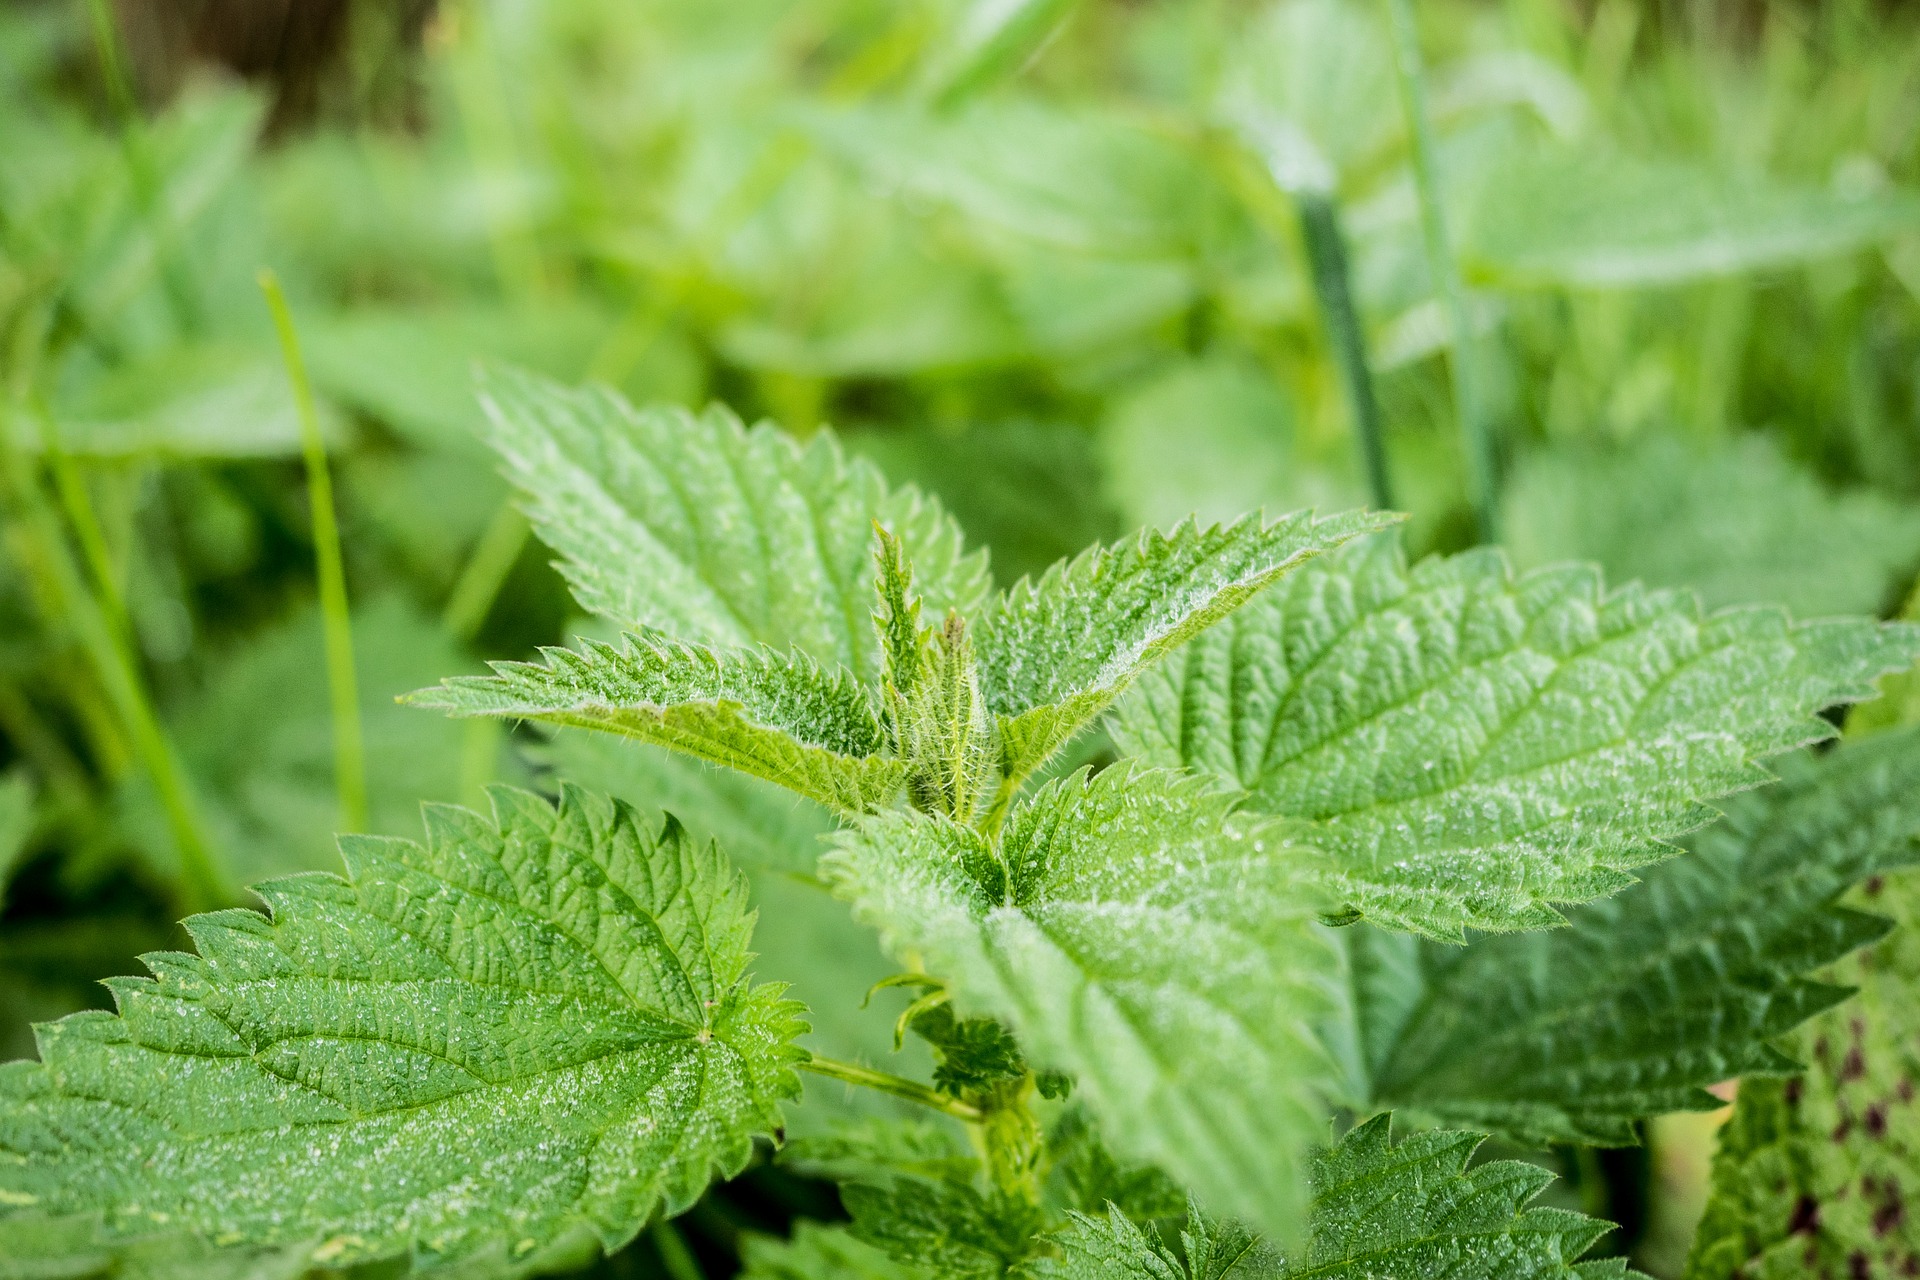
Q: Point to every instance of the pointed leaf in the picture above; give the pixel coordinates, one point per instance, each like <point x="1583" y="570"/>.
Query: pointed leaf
<point x="1678" y="983"/>
<point x="709" y="532"/>
<point x="534" y="1025"/>
<point x="1817" y="1177"/>
<point x="782" y="718"/>
<point x="1415" y="1211"/>
<point x="1139" y="937"/>
<point x="1056" y="653"/>
<point x="1467" y="747"/>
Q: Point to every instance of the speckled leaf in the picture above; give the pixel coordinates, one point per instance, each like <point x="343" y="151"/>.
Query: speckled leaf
<point x="1056" y="653"/>
<point x="1415" y="1211"/>
<point x="778" y="717"/>
<point x="1468" y="747"/>
<point x="706" y="531"/>
<point x="1817" y="1178"/>
<point x="1137" y="935"/>
<point x="534" y="1025"/>
<point x="1573" y="1034"/>
<point x="1113" y="1248"/>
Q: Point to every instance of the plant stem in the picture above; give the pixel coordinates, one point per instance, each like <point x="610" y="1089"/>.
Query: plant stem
<point x="1333" y="287"/>
<point x="485" y="572"/>
<point x="69" y="601"/>
<point x="1468" y="406"/>
<point x="349" y="752"/>
<point x="898" y="1086"/>
<point x="78" y="505"/>
<point x="674" y="1254"/>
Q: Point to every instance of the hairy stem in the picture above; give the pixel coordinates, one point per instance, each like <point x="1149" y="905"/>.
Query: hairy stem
<point x="1469" y="407"/>
<point x="349" y="751"/>
<point x="898" y="1086"/>
<point x="1333" y="288"/>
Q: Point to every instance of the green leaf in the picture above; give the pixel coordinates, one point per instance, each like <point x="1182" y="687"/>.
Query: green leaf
<point x="710" y="533"/>
<point x="34" y="1247"/>
<point x="1467" y="748"/>
<point x="803" y="933"/>
<point x="1136" y="935"/>
<point x="951" y="1228"/>
<point x="1648" y="997"/>
<point x="1056" y="653"/>
<point x="1415" y="1211"/>
<point x="778" y="717"/>
<point x="1592" y="217"/>
<point x="1740" y="524"/>
<point x="533" y="1025"/>
<point x="1817" y="1177"/>
<point x="819" y="1252"/>
<point x="1113" y="1248"/>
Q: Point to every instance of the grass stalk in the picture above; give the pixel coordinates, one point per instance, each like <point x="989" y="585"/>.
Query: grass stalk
<point x="349" y="749"/>
<point x="1333" y="289"/>
<point x="108" y="650"/>
<point x="675" y="1257"/>
<point x="1469" y="405"/>
<point x="485" y="572"/>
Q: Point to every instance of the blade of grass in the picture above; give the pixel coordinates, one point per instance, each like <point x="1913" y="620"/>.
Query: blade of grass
<point x="349" y="751"/>
<point x="1333" y="290"/>
<point x="1469" y="406"/>
<point x="67" y="598"/>
<point x="675" y="1257"/>
<point x="485" y="571"/>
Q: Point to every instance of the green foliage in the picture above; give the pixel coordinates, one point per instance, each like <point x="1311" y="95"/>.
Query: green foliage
<point x="1446" y="1219"/>
<point x="534" y="1024"/>
<point x="1646" y="998"/>
<point x="782" y="718"/>
<point x="257" y="741"/>
<point x="1135" y="934"/>
<point x="1115" y="1249"/>
<point x="1467" y="748"/>
<point x="820" y="1253"/>
<point x="709" y="533"/>
<point x="1817" y="1176"/>
<point x="1056" y="653"/>
<point x="1739" y="524"/>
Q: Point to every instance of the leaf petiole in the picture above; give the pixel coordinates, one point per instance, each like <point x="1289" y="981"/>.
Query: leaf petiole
<point x="898" y="1086"/>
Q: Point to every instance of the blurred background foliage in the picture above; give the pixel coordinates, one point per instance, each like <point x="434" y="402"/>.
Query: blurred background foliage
<point x="1062" y="264"/>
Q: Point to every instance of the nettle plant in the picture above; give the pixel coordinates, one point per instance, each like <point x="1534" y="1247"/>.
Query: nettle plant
<point x="1170" y="1002"/>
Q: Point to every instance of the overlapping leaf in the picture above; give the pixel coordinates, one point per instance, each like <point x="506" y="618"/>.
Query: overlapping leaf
<point x="1412" y="1211"/>
<point x="782" y="718"/>
<point x="1056" y="653"/>
<point x="533" y="1026"/>
<point x="1136" y="935"/>
<point x="1468" y="747"/>
<point x="819" y="1252"/>
<point x="1416" y="1211"/>
<point x="1816" y="1177"/>
<point x="1678" y="983"/>
<point x="711" y="533"/>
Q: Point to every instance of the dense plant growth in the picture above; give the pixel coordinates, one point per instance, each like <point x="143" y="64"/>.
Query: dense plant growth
<point x="1008" y="832"/>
